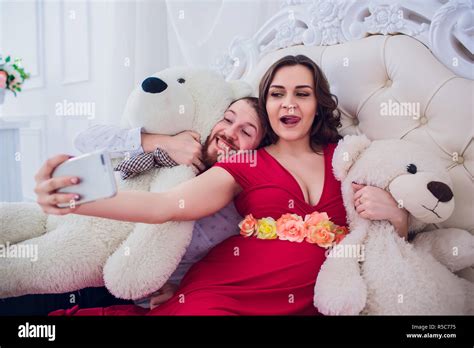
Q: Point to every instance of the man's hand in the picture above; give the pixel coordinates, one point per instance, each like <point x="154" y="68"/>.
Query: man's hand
<point x="374" y="203"/>
<point x="46" y="187"/>
<point x="183" y="148"/>
<point x="163" y="295"/>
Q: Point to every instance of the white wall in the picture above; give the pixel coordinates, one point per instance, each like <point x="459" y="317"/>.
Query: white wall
<point x="95" y="52"/>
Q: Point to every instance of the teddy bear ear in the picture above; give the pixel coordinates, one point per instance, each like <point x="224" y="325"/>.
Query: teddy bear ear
<point x="348" y="150"/>
<point x="240" y="89"/>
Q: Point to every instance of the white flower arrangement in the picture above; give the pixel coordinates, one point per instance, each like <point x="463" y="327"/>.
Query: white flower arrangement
<point x="12" y="74"/>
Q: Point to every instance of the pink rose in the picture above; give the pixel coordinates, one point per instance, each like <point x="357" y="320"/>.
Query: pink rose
<point x="3" y="79"/>
<point x="315" y="218"/>
<point x="248" y="226"/>
<point x="291" y="227"/>
<point x="286" y="217"/>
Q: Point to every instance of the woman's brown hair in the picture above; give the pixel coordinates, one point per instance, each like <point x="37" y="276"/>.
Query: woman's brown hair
<point x="328" y="117"/>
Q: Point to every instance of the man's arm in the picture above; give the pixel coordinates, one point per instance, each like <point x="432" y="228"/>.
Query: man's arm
<point x="183" y="148"/>
<point x="117" y="141"/>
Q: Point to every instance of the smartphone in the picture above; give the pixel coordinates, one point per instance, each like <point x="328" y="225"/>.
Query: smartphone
<point x="96" y="177"/>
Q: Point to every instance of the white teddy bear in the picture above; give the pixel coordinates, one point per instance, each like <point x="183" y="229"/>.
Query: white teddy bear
<point x="131" y="259"/>
<point x="394" y="276"/>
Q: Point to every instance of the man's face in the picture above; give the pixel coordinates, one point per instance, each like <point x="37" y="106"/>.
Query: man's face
<point x="240" y="129"/>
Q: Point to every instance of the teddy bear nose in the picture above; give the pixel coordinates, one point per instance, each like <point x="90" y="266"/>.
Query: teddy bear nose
<point x="440" y="190"/>
<point x="154" y="85"/>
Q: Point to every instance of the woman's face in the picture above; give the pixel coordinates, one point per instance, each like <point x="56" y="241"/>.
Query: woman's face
<point x="291" y="102"/>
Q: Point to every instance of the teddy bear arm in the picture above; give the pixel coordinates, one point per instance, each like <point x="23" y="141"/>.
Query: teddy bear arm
<point x="452" y="247"/>
<point x="340" y="288"/>
<point x="21" y="221"/>
<point x="128" y="275"/>
<point x="66" y="258"/>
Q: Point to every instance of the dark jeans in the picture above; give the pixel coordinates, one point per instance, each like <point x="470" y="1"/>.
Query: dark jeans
<point x="44" y="304"/>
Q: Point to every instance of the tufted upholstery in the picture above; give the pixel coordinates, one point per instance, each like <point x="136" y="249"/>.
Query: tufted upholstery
<point x="373" y="72"/>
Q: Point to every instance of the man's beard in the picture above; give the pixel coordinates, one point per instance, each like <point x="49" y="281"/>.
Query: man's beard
<point x="210" y="160"/>
<point x="207" y="159"/>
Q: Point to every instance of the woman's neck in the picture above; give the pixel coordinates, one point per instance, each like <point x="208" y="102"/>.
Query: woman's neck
<point x="293" y="148"/>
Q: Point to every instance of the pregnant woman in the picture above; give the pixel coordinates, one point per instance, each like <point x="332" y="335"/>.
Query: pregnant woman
<point x="291" y="175"/>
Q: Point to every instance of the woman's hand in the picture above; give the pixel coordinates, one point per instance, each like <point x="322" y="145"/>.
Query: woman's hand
<point x="163" y="295"/>
<point x="46" y="187"/>
<point x="183" y="148"/>
<point x="374" y="203"/>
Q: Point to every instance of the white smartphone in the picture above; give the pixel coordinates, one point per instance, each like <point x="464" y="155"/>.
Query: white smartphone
<point x="96" y="177"/>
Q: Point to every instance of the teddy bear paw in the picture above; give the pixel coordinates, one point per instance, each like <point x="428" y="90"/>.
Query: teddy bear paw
<point x="345" y="297"/>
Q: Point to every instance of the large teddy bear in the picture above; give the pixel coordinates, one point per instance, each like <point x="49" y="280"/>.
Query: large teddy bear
<point x="389" y="275"/>
<point x="131" y="259"/>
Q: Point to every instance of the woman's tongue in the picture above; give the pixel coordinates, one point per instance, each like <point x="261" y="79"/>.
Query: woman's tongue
<point x="290" y="119"/>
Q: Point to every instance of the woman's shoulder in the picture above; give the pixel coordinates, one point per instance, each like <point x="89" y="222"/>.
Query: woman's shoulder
<point x="238" y="159"/>
<point x="245" y="166"/>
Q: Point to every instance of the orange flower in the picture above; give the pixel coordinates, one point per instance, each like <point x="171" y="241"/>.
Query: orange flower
<point x="315" y="218"/>
<point x="248" y="226"/>
<point x="320" y="236"/>
<point x="340" y="232"/>
<point x="291" y="227"/>
<point x="319" y="229"/>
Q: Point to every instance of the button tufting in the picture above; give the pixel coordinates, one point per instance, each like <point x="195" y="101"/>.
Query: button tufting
<point x="460" y="160"/>
<point x="355" y="121"/>
<point x="388" y="83"/>
<point x="424" y="120"/>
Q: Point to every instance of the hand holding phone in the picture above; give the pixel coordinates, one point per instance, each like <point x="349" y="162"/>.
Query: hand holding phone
<point x="96" y="177"/>
<point x="63" y="187"/>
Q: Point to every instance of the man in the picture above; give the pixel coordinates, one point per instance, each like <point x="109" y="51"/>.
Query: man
<point x="239" y="129"/>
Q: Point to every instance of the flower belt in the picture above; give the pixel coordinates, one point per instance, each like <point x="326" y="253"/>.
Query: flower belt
<point x="315" y="228"/>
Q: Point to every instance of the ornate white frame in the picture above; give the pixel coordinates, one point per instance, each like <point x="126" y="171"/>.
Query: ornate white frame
<point x="445" y="26"/>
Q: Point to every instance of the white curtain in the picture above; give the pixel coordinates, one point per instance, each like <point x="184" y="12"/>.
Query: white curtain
<point x="128" y="40"/>
<point x="152" y="35"/>
<point x="121" y="43"/>
<point x="201" y="30"/>
<point x="135" y="45"/>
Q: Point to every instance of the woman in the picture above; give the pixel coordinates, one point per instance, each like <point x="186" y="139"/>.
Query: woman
<point x="293" y="174"/>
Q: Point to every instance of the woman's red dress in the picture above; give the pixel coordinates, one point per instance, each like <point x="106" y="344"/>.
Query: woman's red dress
<point x="250" y="276"/>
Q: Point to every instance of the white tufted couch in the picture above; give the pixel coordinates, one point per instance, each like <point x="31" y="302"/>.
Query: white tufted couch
<point x="371" y="74"/>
